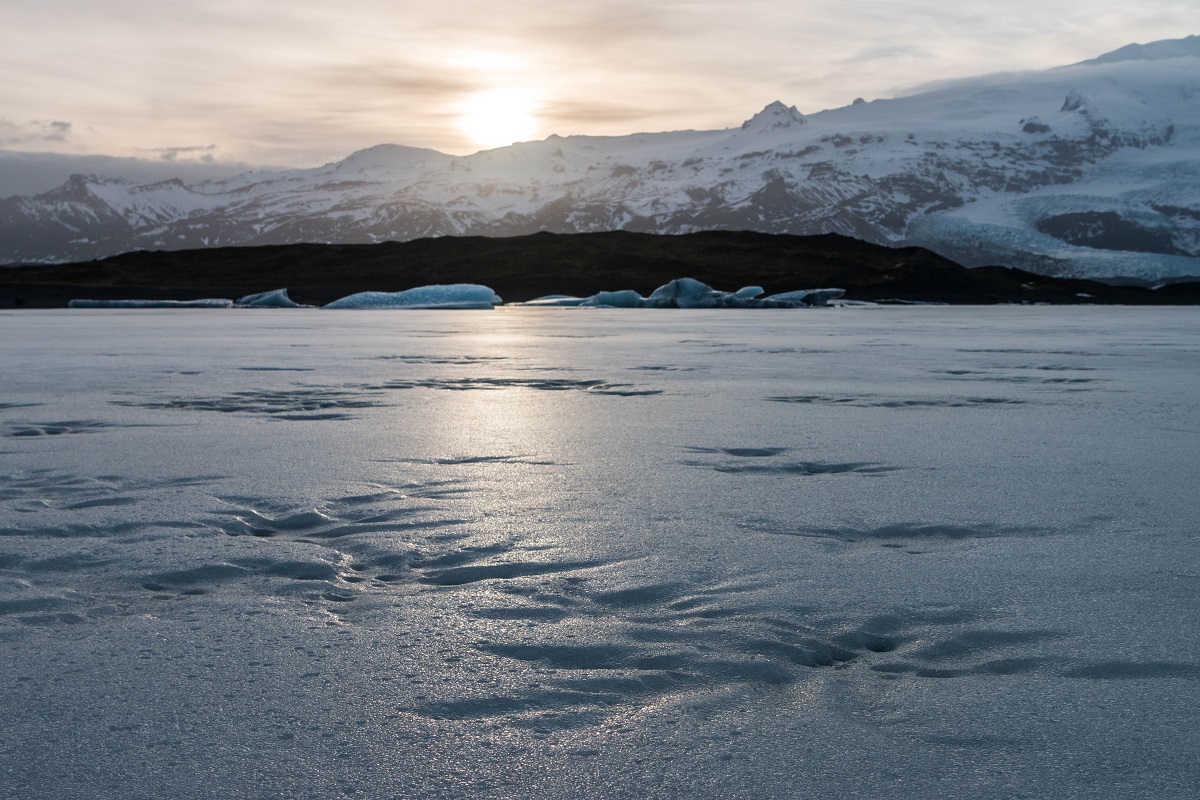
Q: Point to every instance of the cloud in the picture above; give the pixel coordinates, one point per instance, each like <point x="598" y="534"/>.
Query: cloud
<point x="32" y="132"/>
<point x="566" y="117"/>
<point x="884" y="53"/>
<point x="398" y="80"/>
<point x="199" y="152"/>
<point x="315" y="80"/>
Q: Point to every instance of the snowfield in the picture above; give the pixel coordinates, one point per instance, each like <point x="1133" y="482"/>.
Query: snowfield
<point x="915" y="552"/>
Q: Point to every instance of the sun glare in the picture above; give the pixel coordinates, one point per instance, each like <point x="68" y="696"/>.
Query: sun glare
<point x="499" y="117"/>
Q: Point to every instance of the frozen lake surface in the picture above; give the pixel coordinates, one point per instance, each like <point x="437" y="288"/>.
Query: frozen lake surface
<point x="872" y="552"/>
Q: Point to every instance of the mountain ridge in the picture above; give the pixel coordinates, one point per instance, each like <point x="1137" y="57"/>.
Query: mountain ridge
<point x="1064" y="172"/>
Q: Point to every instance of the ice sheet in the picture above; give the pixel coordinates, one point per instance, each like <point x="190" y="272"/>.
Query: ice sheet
<point x="874" y="552"/>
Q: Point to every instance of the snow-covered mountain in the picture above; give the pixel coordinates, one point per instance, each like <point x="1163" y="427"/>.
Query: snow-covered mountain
<point x="1088" y="170"/>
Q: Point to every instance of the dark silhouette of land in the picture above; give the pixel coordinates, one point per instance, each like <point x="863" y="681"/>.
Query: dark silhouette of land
<point x="525" y="267"/>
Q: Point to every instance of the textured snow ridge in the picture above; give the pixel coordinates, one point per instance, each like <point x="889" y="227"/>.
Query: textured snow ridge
<point x="1087" y="170"/>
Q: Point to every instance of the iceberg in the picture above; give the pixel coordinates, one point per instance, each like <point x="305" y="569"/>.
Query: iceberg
<point x="626" y="298"/>
<point x="554" y="300"/>
<point x="808" y="297"/>
<point x="276" y="298"/>
<point x="449" y="296"/>
<point x="691" y="293"/>
<point x="685" y="293"/>
<point x="209" y="303"/>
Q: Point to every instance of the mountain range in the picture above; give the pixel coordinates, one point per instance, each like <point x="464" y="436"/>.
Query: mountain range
<point x="1090" y="170"/>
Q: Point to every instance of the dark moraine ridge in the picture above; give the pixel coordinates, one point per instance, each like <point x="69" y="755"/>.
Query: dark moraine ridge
<point x="524" y="267"/>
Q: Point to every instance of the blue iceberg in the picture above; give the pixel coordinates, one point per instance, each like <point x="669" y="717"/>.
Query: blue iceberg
<point x="449" y="296"/>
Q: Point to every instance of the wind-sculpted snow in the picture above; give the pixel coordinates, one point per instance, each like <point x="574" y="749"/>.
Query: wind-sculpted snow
<point x="53" y="428"/>
<point x="1089" y="169"/>
<point x="610" y="555"/>
<point x="767" y="461"/>
<point x="286" y="404"/>
<point x="308" y="403"/>
<point x="542" y="384"/>
<point x="897" y="402"/>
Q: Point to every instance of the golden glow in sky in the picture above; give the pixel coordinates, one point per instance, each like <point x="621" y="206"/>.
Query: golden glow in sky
<point x="305" y="82"/>
<point x="499" y="117"/>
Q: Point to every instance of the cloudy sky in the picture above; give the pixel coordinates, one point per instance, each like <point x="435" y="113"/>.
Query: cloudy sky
<point x="303" y="82"/>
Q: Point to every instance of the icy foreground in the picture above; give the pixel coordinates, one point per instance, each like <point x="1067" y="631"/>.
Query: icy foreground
<point x="885" y="553"/>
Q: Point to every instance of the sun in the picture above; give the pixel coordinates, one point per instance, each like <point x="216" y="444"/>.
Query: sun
<point x="499" y="117"/>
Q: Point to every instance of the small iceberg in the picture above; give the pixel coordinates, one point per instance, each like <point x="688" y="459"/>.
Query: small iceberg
<point x="808" y="297"/>
<point x="627" y="298"/>
<point x="209" y="303"/>
<point x="554" y="300"/>
<point x="463" y="296"/>
<point x="276" y="298"/>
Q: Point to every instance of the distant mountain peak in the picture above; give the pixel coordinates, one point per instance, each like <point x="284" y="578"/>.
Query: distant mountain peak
<point x="775" y="116"/>
<point x="1153" y="51"/>
<point x="390" y="155"/>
